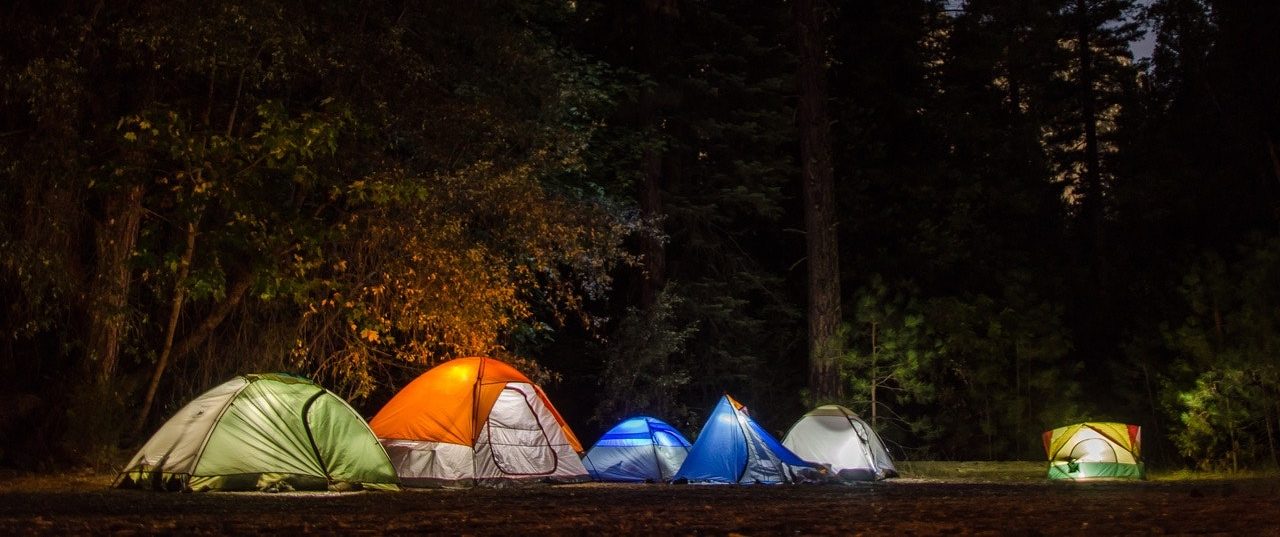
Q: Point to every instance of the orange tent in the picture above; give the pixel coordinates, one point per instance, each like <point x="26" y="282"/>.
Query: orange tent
<point x="505" y="424"/>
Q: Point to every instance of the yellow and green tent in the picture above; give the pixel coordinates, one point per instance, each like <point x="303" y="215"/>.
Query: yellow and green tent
<point x="1094" y="450"/>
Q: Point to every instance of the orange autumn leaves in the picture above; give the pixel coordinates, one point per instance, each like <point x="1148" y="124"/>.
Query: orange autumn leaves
<point x="448" y="266"/>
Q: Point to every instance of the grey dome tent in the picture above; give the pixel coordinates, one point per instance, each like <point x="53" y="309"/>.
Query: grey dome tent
<point x="833" y="435"/>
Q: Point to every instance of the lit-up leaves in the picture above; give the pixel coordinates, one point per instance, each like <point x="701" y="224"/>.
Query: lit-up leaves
<point x="401" y="189"/>
<point x="1224" y="386"/>
<point x="450" y="266"/>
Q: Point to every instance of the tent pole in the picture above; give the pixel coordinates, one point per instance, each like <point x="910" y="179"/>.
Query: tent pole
<point x="306" y="425"/>
<point x="653" y="444"/>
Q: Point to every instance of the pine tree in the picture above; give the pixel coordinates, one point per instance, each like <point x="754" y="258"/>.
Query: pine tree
<point x="818" y="188"/>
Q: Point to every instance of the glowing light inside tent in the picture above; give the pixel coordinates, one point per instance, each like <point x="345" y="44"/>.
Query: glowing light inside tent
<point x="1093" y="450"/>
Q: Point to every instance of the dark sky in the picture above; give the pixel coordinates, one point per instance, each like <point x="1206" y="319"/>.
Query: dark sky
<point x="1141" y="48"/>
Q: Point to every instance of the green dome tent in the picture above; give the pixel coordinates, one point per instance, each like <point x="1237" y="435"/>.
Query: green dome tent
<point x="271" y="432"/>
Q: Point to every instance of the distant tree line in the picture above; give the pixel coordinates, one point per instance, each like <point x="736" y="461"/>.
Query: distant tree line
<point x="968" y="221"/>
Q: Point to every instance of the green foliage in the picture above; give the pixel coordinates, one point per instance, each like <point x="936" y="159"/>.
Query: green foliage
<point x="1218" y="421"/>
<point x="710" y="106"/>
<point x="366" y="187"/>
<point x="373" y="187"/>
<point x="1224" y="390"/>
<point x="889" y="349"/>
<point x="962" y="376"/>
<point x="1004" y="376"/>
<point x="641" y="371"/>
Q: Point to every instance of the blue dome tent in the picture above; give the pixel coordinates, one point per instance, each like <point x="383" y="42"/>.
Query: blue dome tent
<point x="733" y="448"/>
<point x="637" y="450"/>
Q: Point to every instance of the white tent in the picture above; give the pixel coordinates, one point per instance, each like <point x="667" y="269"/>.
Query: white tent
<point x="833" y="435"/>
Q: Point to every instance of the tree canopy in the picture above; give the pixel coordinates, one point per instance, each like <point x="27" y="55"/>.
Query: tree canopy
<point x="968" y="221"/>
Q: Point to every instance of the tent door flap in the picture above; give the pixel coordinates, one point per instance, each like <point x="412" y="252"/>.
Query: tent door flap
<point x="518" y="442"/>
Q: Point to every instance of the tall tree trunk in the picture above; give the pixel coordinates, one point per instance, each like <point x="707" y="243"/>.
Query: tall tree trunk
<point x="175" y="310"/>
<point x="114" y="238"/>
<point x="1275" y="405"/>
<point x="650" y="196"/>
<point x="1231" y="433"/>
<point x="1275" y="160"/>
<point x="1019" y="399"/>
<point x="1091" y="195"/>
<point x="1027" y="134"/>
<point x="819" y="204"/>
<point x="658" y="17"/>
<point x="1271" y="435"/>
<point x="875" y="377"/>
<point x="1155" y="411"/>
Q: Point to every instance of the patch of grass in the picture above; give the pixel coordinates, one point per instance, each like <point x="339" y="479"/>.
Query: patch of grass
<point x="11" y="481"/>
<point x="1027" y="471"/>
<point x="999" y="471"/>
<point x="1199" y="475"/>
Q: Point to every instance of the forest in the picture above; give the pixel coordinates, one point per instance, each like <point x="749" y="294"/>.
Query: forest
<point x="969" y="221"/>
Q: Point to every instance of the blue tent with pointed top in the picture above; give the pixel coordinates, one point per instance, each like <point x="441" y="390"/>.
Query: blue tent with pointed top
<point x="733" y="448"/>
<point x="637" y="450"/>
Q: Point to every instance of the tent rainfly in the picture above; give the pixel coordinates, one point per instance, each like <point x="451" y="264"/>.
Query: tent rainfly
<point x="733" y="448"/>
<point x="833" y="435"/>
<point x="476" y="421"/>
<point x="638" y="450"/>
<point x="1093" y="450"/>
<point x="269" y="432"/>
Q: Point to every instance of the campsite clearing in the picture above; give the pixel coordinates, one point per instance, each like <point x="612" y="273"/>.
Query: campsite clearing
<point x="964" y="505"/>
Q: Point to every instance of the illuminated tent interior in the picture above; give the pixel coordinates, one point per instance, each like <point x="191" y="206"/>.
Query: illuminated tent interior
<point x="1094" y="450"/>
<point x="642" y="449"/>
<point x="272" y="432"/>
<point x="833" y="435"/>
<point x="732" y="448"/>
<point x="476" y="421"/>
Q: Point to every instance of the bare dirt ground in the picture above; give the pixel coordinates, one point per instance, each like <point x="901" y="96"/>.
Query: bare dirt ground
<point x="922" y="506"/>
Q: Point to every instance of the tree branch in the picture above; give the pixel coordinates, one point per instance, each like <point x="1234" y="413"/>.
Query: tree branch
<point x="235" y="295"/>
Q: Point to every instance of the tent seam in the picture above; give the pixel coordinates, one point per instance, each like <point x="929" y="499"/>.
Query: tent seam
<point x="367" y="428"/>
<point x="217" y="422"/>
